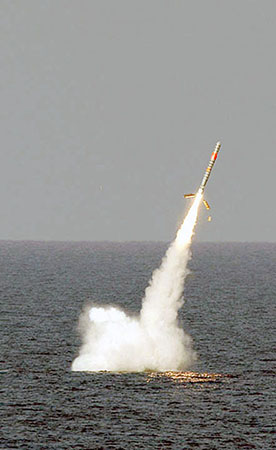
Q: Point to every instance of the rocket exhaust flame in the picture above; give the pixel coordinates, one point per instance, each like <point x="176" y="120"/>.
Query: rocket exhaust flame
<point x="185" y="232"/>
<point x="153" y="340"/>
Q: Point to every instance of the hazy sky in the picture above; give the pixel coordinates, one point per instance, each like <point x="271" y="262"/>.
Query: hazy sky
<point x="109" y="111"/>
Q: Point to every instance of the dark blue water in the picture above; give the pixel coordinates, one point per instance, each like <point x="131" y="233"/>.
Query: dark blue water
<point x="229" y="311"/>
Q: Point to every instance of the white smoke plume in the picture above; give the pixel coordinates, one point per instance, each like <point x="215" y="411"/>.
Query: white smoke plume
<point x="114" y="341"/>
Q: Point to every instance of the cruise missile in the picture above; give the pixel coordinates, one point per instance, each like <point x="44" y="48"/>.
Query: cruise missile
<point x="206" y="176"/>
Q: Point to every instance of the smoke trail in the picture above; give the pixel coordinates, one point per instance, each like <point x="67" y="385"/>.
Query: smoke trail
<point x="152" y="341"/>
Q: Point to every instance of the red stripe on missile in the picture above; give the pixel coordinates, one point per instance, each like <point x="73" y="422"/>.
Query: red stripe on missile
<point x="214" y="156"/>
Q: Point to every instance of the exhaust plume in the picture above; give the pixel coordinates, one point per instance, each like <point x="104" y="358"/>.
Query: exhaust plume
<point x="153" y="340"/>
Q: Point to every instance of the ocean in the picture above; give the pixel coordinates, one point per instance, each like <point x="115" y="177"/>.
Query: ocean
<point x="229" y="312"/>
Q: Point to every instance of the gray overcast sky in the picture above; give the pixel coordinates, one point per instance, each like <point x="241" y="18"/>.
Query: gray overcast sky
<point x="110" y="110"/>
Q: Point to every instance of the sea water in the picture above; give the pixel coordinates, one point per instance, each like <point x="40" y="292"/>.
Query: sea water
<point x="229" y="312"/>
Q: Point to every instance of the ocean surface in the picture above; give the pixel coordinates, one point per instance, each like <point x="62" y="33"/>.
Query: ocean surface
<point x="229" y="312"/>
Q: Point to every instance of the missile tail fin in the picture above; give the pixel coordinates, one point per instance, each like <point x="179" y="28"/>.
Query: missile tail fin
<point x="206" y="204"/>
<point x="189" y="195"/>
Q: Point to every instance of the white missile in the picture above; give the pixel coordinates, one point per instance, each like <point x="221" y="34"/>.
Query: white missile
<point x="206" y="176"/>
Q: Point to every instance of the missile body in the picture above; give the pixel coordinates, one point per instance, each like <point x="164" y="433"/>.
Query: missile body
<point x="207" y="175"/>
<point x="209" y="168"/>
